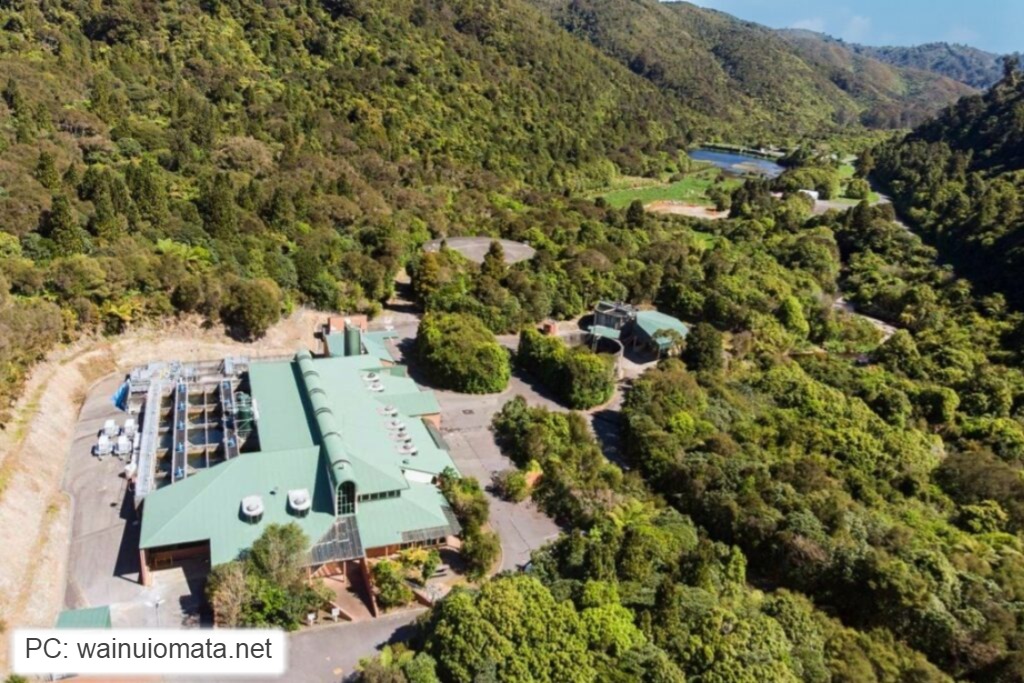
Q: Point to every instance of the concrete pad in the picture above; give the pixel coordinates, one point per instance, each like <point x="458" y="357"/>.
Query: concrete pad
<point x="474" y="248"/>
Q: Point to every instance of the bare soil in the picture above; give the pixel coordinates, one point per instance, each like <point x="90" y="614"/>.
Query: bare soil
<point x="34" y="512"/>
<point x="683" y="209"/>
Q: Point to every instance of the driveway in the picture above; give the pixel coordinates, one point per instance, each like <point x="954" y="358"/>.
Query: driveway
<point x="330" y="654"/>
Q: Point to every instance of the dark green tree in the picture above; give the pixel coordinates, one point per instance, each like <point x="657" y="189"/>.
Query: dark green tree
<point x="704" y="348"/>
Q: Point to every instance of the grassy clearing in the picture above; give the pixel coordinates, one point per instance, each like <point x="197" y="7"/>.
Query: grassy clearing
<point x="703" y="240"/>
<point x="692" y="189"/>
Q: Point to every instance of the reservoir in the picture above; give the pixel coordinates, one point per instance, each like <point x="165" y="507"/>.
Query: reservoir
<point x="737" y="164"/>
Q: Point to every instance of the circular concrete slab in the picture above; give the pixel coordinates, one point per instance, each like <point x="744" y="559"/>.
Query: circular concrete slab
<point x="474" y="248"/>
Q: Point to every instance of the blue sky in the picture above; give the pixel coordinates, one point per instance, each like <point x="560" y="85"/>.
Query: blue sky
<point x="994" y="25"/>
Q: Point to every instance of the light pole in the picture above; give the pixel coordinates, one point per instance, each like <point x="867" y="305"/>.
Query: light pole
<point x="156" y="605"/>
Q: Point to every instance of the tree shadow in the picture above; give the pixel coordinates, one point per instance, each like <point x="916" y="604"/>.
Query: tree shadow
<point x="608" y="426"/>
<point x="537" y="387"/>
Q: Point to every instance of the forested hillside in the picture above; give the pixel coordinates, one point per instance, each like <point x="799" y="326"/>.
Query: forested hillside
<point x="804" y="501"/>
<point x="236" y="158"/>
<point x="959" y="178"/>
<point x="749" y="75"/>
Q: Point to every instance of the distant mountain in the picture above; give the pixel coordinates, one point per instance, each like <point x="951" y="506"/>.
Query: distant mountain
<point x="748" y="78"/>
<point x="895" y="96"/>
<point x="976" y="68"/>
<point x="968" y="65"/>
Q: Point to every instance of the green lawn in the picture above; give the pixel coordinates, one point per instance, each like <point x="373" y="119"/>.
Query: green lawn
<point x="692" y="189"/>
<point x="872" y="199"/>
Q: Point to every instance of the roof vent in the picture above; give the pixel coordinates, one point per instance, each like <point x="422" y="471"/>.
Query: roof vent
<point x="371" y="376"/>
<point x="252" y="509"/>
<point x="396" y="424"/>
<point x="389" y="411"/>
<point x="407" y="449"/>
<point x="375" y="387"/>
<point x="300" y="501"/>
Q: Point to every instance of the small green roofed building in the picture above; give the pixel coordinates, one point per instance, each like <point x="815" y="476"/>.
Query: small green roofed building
<point x="349" y="449"/>
<point x="657" y="331"/>
<point x="89" y="617"/>
<point x="653" y="330"/>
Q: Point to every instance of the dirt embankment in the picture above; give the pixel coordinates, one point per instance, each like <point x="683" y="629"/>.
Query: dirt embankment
<point x="34" y="512"/>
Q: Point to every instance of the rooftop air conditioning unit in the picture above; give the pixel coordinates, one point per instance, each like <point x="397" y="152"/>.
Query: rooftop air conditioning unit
<point x="110" y="428"/>
<point x="252" y="509"/>
<point x="300" y="501"/>
<point x="129" y="427"/>
<point x="103" y="446"/>
<point x="123" y="446"/>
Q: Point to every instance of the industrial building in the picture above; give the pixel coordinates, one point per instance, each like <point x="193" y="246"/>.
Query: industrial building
<point x="343" y="443"/>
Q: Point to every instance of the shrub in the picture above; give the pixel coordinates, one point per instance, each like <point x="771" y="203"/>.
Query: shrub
<point x="459" y="353"/>
<point x="579" y="377"/>
<point x="511" y="485"/>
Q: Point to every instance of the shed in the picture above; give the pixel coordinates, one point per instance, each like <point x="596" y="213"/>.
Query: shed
<point x="90" y="617"/>
<point x="653" y="329"/>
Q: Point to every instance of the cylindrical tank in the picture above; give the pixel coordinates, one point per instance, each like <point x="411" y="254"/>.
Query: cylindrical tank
<point x="353" y="340"/>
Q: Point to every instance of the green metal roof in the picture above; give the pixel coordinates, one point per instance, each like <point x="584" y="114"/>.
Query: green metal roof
<point x="206" y="506"/>
<point x="336" y="344"/>
<point x="605" y="332"/>
<point x="391" y="520"/>
<point x="373" y="343"/>
<point x="284" y="420"/>
<point x="652" y="322"/>
<point x="415" y="403"/>
<point x="90" y="617"/>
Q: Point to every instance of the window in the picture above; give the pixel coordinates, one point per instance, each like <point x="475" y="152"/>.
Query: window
<point x="347" y="498"/>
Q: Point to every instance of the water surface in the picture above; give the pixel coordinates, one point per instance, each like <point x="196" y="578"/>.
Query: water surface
<point x="737" y="164"/>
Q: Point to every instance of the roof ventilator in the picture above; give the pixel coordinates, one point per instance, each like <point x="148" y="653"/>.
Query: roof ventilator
<point x="252" y="509"/>
<point x="300" y="501"/>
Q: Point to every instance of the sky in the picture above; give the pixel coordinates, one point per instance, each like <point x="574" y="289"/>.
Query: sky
<point x="993" y="25"/>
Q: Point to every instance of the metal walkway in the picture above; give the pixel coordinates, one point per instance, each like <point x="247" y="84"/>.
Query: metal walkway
<point x="179" y="444"/>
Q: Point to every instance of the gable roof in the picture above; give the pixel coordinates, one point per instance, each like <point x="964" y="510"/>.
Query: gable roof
<point x="207" y="505"/>
<point x="652" y="322"/>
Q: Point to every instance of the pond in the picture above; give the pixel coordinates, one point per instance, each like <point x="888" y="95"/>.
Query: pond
<point x="737" y="164"/>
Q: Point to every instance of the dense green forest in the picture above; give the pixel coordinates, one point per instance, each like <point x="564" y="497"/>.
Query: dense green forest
<point x="750" y="76"/>
<point x="806" y="502"/>
<point x="958" y="178"/>
<point x="235" y="158"/>
<point x="804" y="499"/>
